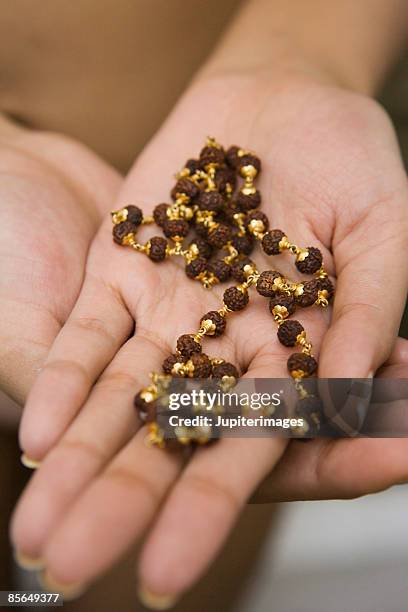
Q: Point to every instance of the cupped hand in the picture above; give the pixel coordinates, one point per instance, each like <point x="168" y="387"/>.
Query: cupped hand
<point x="332" y="177"/>
<point x="53" y="194"/>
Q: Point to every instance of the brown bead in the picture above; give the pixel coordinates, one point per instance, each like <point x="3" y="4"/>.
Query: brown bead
<point x="247" y="202"/>
<point x="301" y="364"/>
<point x="266" y="283"/>
<point x="310" y="406"/>
<point x="135" y="215"/>
<point x="306" y="295"/>
<point x="196" y="267"/>
<point x="219" y="235"/>
<point x="204" y="249"/>
<point x="312" y="263"/>
<point x="285" y="301"/>
<point x="232" y="157"/>
<point x="210" y="200"/>
<point x="237" y="268"/>
<point x="176" y="227"/>
<point x="202" y="230"/>
<point x="325" y="284"/>
<point x="193" y="165"/>
<point x="202" y="365"/>
<point x="158" y="248"/>
<point x="224" y="178"/>
<point x="121" y="230"/>
<point x="225" y="369"/>
<point x="220" y="269"/>
<point x="169" y="363"/>
<point x="249" y="160"/>
<point x="186" y="346"/>
<point x="288" y="332"/>
<point x="211" y="155"/>
<point x="160" y="214"/>
<point x="235" y="299"/>
<point x="231" y="208"/>
<point x="244" y="244"/>
<point x="184" y="187"/>
<point x="146" y="410"/>
<point x="257" y="215"/>
<point x="271" y="240"/>
<point x="218" y="320"/>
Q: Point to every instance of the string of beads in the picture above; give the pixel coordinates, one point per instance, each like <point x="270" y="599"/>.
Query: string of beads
<point x="216" y="204"/>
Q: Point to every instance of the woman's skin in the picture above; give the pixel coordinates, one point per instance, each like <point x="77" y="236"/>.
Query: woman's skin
<point x="54" y="193"/>
<point x="333" y="178"/>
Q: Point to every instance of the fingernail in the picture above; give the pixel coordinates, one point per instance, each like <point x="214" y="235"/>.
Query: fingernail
<point x="32" y="464"/>
<point x="68" y="591"/>
<point x="156" y="602"/>
<point x="28" y="563"/>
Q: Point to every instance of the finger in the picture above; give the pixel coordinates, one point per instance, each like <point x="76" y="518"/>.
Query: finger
<point x="204" y="504"/>
<point x="111" y="513"/>
<point x="330" y="469"/>
<point x="102" y="428"/>
<point x="97" y="327"/>
<point x="311" y="471"/>
<point x="370" y="295"/>
<point x="201" y="510"/>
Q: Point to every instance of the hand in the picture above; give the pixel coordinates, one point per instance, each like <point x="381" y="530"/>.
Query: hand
<point x="53" y="194"/>
<point x="332" y="178"/>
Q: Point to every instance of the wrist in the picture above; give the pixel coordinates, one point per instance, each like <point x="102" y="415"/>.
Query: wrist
<point x="284" y="61"/>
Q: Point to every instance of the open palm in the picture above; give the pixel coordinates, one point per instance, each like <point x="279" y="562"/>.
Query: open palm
<point x="332" y="178"/>
<point x="53" y="194"/>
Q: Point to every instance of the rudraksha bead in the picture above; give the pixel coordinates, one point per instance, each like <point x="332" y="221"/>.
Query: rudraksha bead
<point x="146" y="410"/>
<point x="220" y="269"/>
<point x="211" y="155"/>
<point x="312" y="263"/>
<point x="210" y="200"/>
<point x="169" y="363"/>
<point x="235" y="299"/>
<point x="244" y="244"/>
<point x="289" y="331"/>
<point x="196" y="266"/>
<point x="284" y="301"/>
<point x="225" y="369"/>
<point x="237" y="268"/>
<point x="121" y="230"/>
<point x="310" y="407"/>
<point x="232" y="157"/>
<point x="193" y="165"/>
<point x="158" y="248"/>
<point x="135" y="214"/>
<point x="266" y="285"/>
<point x="184" y="187"/>
<point x="225" y="177"/>
<point x="160" y="214"/>
<point x="204" y="249"/>
<point x="176" y="227"/>
<point x="271" y="240"/>
<point x="325" y="284"/>
<point x="249" y="160"/>
<point x="308" y="296"/>
<point x="231" y="208"/>
<point x="201" y="230"/>
<point x="257" y="215"/>
<point x="202" y="365"/>
<point x="219" y="236"/>
<point x="249" y="201"/>
<point x="218" y="320"/>
<point x="186" y="346"/>
<point x="301" y="364"/>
